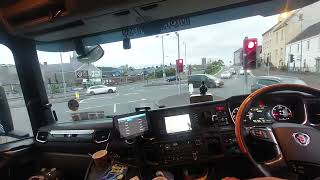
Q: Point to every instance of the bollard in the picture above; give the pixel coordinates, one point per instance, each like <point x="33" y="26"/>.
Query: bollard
<point x="77" y="94"/>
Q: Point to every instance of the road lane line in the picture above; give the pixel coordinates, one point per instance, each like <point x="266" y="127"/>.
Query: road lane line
<point x="130" y="94"/>
<point x="137" y="100"/>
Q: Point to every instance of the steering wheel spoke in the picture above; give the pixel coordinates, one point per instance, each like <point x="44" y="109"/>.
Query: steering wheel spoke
<point x="266" y="134"/>
<point x="262" y="133"/>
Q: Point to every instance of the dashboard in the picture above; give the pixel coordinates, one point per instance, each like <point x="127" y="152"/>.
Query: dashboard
<point x="187" y="134"/>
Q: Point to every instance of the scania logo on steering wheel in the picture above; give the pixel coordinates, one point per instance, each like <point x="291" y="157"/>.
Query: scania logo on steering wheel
<point x="301" y="138"/>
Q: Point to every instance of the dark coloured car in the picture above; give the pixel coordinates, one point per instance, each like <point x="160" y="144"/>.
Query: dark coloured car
<point x="263" y="81"/>
<point x="208" y="79"/>
<point x="172" y="78"/>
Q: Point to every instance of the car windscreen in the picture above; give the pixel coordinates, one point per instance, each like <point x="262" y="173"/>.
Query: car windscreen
<point x="138" y="77"/>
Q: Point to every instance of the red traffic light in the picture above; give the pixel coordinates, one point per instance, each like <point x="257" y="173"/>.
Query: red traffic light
<point x="249" y="49"/>
<point x="179" y="64"/>
<point x="249" y="45"/>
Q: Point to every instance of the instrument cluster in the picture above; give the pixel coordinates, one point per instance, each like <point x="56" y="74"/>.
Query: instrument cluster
<point x="268" y="110"/>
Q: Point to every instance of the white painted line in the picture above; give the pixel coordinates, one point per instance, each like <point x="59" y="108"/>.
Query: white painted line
<point x="137" y="100"/>
<point x="130" y="94"/>
<point x="164" y="88"/>
<point x="114" y="108"/>
<point x="250" y="73"/>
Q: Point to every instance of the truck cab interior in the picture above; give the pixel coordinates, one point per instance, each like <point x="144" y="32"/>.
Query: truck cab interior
<point x="213" y="139"/>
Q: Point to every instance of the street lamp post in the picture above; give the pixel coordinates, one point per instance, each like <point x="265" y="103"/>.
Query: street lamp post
<point x="163" y="68"/>
<point x="62" y="72"/>
<point x="301" y="19"/>
<point x="177" y="73"/>
<point x="185" y="56"/>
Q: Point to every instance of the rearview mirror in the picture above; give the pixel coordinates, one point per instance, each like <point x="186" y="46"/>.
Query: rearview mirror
<point x="88" y="54"/>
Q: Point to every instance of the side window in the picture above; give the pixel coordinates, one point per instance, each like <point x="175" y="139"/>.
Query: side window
<point x="195" y="78"/>
<point x="14" y="114"/>
<point x="204" y="78"/>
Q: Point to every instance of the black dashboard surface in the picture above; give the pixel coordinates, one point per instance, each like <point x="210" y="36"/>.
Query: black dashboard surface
<point x="209" y="134"/>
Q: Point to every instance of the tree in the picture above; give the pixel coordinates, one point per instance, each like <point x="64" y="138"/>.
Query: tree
<point x="170" y="72"/>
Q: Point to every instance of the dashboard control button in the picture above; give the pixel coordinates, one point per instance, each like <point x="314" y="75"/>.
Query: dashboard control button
<point x="259" y="133"/>
<point x="197" y="142"/>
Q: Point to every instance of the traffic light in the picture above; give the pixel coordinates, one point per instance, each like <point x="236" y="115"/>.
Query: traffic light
<point x="250" y="48"/>
<point x="179" y="64"/>
<point x="291" y="58"/>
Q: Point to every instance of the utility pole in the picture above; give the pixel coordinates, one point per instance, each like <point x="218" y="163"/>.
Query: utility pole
<point x="62" y="71"/>
<point x="301" y="19"/>
<point x="177" y="73"/>
<point x="163" y="68"/>
<point x="185" y="57"/>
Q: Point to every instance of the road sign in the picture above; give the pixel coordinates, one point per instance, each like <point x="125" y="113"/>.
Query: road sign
<point x="82" y="74"/>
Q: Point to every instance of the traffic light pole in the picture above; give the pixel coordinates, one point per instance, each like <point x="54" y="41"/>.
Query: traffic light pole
<point x="245" y="68"/>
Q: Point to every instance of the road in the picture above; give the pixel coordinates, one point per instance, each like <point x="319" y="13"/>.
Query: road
<point x="130" y="96"/>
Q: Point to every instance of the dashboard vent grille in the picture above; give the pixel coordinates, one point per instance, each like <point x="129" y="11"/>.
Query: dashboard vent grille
<point x="42" y="137"/>
<point x="101" y="136"/>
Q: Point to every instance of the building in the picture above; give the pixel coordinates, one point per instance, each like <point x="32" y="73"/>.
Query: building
<point x="289" y="25"/>
<point x="238" y="57"/>
<point x="204" y="62"/>
<point x="72" y="73"/>
<point x="305" y="49"/>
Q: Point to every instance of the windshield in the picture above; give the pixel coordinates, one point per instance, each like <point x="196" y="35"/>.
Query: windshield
<point x="146" y="75"/>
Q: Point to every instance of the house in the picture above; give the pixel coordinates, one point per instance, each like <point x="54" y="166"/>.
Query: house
<point x="305" y="50"/>
<point x="72" y="73"/>
<point x="289" y="25"/>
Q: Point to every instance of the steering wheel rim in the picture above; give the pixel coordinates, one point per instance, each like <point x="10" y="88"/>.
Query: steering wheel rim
<point x="246" y="105"/>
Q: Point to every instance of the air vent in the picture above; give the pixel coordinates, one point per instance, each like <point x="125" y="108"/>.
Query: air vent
<point x="42" y="137"/>
<point x="149" y="7"/>
<point x="101" y="136"/>
<point x="122" y="13"/>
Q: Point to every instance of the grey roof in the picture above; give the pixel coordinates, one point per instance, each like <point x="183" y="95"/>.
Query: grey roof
<point x="309" y="32"/>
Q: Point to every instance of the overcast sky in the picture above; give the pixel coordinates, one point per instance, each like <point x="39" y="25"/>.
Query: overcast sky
<point x="217" y="41"/>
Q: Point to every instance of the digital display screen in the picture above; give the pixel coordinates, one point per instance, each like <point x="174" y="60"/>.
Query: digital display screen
<point x="179" y="123"/>
<point x="132" y="126"/>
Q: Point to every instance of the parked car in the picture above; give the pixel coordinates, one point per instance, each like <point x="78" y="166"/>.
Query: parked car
<point x="241" y="71"/>
<point x="208" y="79"/>
<point x="226" y="75"/>
<point x="172" y="78"/>
<point x="233" y="71"/>
<point x="99" y="89"/>
<point x="263" y="81"/>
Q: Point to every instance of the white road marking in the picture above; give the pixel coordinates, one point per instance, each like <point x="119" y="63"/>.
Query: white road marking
<point x="114" y="105"/>
<point x="136" y="100"/>
<point x="94" y="98"/>
<point x="130" y="94"/>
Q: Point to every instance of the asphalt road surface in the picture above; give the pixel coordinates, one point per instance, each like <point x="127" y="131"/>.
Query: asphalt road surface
<point x="128" y="97"/>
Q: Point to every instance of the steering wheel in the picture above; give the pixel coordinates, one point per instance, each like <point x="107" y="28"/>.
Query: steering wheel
<point x="296" y="145"/>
